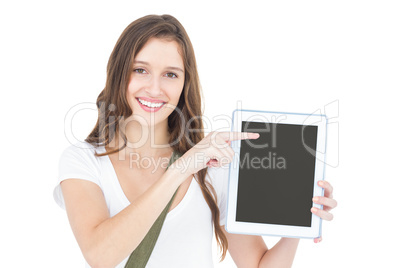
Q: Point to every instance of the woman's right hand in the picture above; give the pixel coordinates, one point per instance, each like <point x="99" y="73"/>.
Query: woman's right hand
<point x="212" y="151"/>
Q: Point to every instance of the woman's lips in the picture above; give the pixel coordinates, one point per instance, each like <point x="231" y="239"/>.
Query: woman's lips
<point x="151" y="100"/>
<point x="149" y="109"/>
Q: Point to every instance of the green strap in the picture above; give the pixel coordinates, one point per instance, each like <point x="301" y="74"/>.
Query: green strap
<point x="139" y="257"/>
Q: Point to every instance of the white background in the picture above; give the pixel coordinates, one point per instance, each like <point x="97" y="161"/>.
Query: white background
<point x="291" y="56"/>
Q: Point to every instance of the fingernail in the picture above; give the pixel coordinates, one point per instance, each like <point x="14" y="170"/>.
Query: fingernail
<point x="314" y="210"/>
<point x="321" y="183"/>
<point x="315" y="199"/>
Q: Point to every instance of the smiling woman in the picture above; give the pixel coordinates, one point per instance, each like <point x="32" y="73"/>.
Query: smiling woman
<point x="151" y="108"/>
<point x="152" y="91"/>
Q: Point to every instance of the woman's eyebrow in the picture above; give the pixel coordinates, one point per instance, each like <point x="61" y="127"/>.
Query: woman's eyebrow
<point x="169" y="67"/>
<point x="175" y="68"/>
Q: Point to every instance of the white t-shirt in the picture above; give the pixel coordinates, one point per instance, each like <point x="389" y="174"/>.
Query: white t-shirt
<point x="186" y="236"/>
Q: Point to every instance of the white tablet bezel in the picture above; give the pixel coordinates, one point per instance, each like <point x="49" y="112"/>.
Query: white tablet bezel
<point x="232" y="226"/>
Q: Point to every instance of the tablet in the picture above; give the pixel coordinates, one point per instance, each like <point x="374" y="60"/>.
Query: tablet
<point x="273" y="179"/>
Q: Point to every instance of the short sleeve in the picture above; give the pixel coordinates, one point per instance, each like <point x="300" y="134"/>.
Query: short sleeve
<point x="76" y="162"/>
<point x="219" y="179"/>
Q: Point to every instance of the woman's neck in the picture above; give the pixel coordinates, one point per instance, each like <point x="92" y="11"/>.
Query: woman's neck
<point x="146" y="141"/>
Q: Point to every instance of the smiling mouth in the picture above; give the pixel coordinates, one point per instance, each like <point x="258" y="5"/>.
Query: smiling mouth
<point x="150" y="104"/>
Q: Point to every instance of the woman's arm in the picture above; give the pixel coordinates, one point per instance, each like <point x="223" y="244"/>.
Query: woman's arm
<point x="280" y="255"/>
<point x="105" y="241"/>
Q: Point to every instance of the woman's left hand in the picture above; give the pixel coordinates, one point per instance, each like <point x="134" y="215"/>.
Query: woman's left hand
<point x="328" y="203"/>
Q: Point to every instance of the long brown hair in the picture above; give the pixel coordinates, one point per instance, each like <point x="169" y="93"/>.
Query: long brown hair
<point x="113" y="106"/>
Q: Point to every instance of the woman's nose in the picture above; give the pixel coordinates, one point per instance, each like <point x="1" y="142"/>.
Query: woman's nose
<point x="154" y="87"/>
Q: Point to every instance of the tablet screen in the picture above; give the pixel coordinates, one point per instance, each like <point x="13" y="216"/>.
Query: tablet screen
<point x="276" y="174"/>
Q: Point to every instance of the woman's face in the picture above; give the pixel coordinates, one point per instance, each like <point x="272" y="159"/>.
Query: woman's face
<point x="156" y="81"/>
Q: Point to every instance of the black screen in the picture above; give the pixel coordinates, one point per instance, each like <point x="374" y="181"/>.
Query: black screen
<point x="276" y="182"/>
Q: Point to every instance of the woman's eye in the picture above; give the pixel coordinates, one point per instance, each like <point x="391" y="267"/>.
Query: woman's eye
<point x="171" y="75"/>
<point x="140" y="71"/>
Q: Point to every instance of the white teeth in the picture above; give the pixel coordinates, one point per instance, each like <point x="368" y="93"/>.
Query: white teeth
<point x="150" y="104"/>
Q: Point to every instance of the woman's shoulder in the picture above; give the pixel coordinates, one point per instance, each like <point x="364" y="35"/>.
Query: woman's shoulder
<point x="78" y="161"/>
<point x="81" y="154"/>
<point x="82" y="148"/>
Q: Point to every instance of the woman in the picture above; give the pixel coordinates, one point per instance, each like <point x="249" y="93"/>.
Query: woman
<point x="116" y="184"/>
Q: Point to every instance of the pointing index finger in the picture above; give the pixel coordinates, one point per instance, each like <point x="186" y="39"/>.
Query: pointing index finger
<point x="242" y="136"/>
